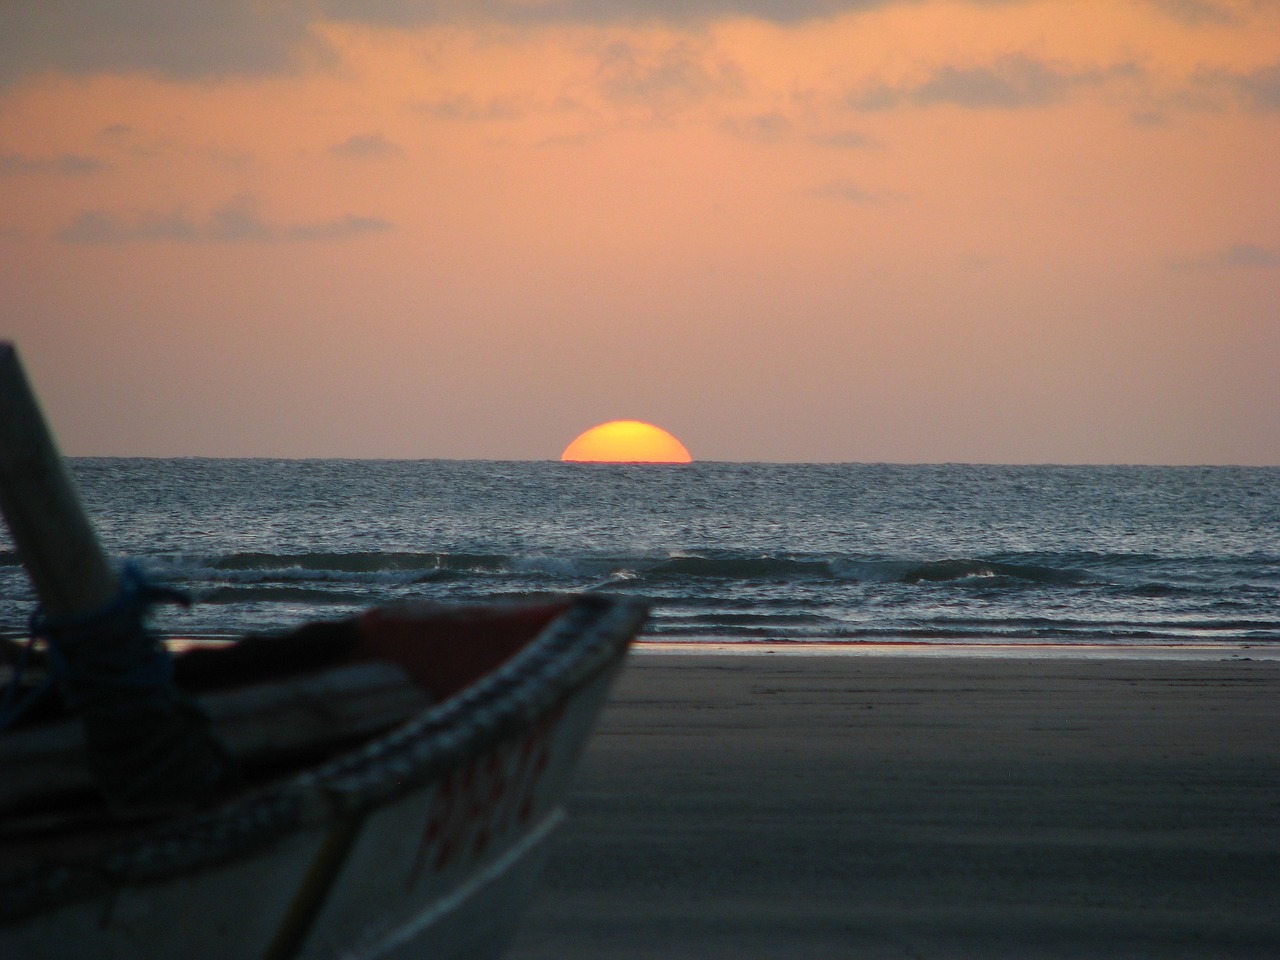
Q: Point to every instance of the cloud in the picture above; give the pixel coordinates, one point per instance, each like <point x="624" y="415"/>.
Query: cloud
<point x="1148" y="118"/>
<point x="65" y="165"/>
<point x="235" y="222"/>
<point x="122" y="139"/>
<point x="1257" y="89"/>
<point x="1196" y="12"/>
<point x="192" y="40"/>
<point x="1249" y="255"/>
<point x="1260" y="88"/>
<point x="766" y="127"/>
<point x="182" y="39"/>
<point x="844" y="140"/>
<point x="850" y="192"/>
<point x="370" y="146"/>
<point x="411" y="12"/>
<point x="664" y="77"/>
<point x="1011" y="83"/>
<point x="340" y="229"/>
<point x="1238" y="256"/>
<point x="464" y="107"/>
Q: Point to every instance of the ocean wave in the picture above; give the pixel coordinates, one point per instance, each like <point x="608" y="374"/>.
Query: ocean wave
<point x="403" y="566"/>
<point x="736" y="568"/>
<point x="569" y="568"/>
<point x="751" y="619"/>
<point x="767" y="568"/>
<point x="268" y="594"/>
<point x="941" y="571"/>
<point x="362" y="562"/>
<point x="960" y="631"/>
<point x="738" y="594"/>
<point x="406" y="567"/>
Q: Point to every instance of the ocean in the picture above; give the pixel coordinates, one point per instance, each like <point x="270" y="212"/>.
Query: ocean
<point x="726" y="553"/>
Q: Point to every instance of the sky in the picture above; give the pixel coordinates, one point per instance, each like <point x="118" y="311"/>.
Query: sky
<point x="986" y="231"/>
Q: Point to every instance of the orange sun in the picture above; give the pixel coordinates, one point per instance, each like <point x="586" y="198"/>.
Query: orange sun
<point x="626" y="441"/>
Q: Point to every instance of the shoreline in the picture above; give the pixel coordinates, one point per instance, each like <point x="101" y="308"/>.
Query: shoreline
<point x="1195" y="652"/>
<point x="1205" y="652"/>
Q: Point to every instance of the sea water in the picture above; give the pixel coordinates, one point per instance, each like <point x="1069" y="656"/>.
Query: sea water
<point x="724" y="552"/>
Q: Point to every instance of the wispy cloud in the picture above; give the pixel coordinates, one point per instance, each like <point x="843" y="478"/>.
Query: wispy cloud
<point x="1257" y="89"/>
<point x="1148" y="118"/>
<point x="844" y="140"/>
<point x="1261" y="88"/>
<point x="1238" y="256"/>
<point x="66" y="165"/>
<point x="1196" y="12"/>
<point x="464" y="107"/>
<point x="236" y="222"/>
<point x="368" y="146"/>
<point x="767" y="127"/>
<point x="1011" y="83"/>
<point x="664" y="77"/>
<point x="123" y="140"/>
<point x="343" y="228"/>
<point x="851" y="192"/>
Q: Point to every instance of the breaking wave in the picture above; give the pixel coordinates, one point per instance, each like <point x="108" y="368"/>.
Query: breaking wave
<point x="939" y="571"/>
<point x="417" y="566"/>
<point x="370" y="562"/>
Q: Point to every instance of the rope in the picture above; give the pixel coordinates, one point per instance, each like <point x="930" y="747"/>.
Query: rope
<point x="97" y="654"/>
<point x="100" y="653"/>
<point x="11" y="707"/>
<point x="148" y="743"/>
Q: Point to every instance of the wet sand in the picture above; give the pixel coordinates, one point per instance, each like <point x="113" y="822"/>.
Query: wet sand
<point x="827" y="807"/>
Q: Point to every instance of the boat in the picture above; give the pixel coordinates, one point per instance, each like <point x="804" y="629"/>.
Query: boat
<point x="422" y="840"/>
<point x="376" y="787"/>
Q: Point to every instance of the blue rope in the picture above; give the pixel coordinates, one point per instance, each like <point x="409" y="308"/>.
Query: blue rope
<point x="98" y="654"/>
<point x="11" y="708"/>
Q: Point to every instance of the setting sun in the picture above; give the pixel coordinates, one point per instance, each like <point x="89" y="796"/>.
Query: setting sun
<point x="626" y="441"/>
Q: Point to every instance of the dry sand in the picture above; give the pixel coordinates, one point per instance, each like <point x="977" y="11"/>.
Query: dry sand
<point x="821" y="807"/>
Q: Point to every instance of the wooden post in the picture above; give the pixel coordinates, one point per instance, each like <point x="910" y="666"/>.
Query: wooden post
<point x="149" y="747"/>
<point x="71" y="574"/>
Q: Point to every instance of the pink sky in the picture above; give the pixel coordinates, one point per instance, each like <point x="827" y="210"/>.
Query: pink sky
<point x="808" y="231"/>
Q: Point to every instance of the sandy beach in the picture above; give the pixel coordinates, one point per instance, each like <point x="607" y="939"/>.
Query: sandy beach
<point x="817" y="807"/>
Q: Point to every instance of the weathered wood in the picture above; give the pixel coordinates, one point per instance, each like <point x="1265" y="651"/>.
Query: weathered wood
<point x="259" y="724"/>
<point x="54" y="538"/>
